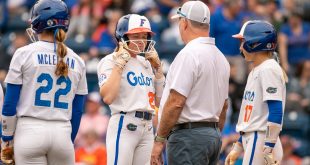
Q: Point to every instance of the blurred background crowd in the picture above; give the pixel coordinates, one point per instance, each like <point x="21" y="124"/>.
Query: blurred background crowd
<point x="91" y="35"/>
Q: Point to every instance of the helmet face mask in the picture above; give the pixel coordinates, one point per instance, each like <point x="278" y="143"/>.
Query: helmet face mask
<point x="133" y="46"/>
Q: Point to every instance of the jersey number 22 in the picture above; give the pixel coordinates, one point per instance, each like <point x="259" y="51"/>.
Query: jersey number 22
<point x="46" y="89"/>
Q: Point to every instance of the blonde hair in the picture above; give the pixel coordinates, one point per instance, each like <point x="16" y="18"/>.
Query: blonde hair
<point x="61" y="67"/>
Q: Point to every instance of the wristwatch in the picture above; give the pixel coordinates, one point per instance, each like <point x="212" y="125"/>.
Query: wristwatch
<point x="159" y="139"/>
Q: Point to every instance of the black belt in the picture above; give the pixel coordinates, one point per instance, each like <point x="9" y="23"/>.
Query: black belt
<point x="141" y="115"/>
<point x="195" y="125"/>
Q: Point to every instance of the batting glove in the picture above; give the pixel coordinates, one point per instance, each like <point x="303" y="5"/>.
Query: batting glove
<point x="153" y="58"/>
<point x="7" y="152"/>
<point x="268" y="156"/>
<point x="121" y="57"/>
<point x="231" y="158"/>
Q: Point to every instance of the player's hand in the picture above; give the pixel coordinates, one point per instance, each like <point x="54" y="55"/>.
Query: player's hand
<point x="268" y="157"/>
<point x="122" y="56"/>
<point x="231" y="158"/>
<point x="156" y="158"/>
<point x="153" y="58"/>
<point x="7" y="152"/>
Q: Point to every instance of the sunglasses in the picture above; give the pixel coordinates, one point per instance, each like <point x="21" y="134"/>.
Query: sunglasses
<point x="180" y="13"/>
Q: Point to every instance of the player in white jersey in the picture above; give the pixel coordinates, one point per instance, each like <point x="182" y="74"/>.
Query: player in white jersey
<point x="46" y="86"/>
<point x="131" y="82"/>
<point x="261" y="112"/>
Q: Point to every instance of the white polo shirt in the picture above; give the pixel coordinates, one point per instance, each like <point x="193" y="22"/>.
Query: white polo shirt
<point x="200" y="72"/>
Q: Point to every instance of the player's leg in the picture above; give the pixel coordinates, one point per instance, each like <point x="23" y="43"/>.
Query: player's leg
<point x="143" y="151"/>
<point x="61" y="150"/>
<point x="254" y="153"/>
<point x="253" y="148"/>
<point x="120" y="141"/>
<point x="30" y="142"/>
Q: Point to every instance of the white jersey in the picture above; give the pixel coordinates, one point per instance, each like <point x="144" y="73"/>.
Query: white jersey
<point x="265" y="82"/>
<point x="45" y="95"/>
<point x="200" y="72"/>
<point x="137" y="92"/>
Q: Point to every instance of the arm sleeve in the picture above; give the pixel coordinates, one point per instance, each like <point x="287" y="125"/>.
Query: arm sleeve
<point x="77" y="111"/>
<point x="184" y="74"/>
<point x="275" y="111"/>
<point x="104" y="71"/>
<point x="272" y="84"/>
<point x="9" y="111"/>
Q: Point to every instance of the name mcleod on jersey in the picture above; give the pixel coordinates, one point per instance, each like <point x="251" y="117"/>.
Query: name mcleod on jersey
<point x="51" y="59"/>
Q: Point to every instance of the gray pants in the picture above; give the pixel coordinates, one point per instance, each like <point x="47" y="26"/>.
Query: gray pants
<point x="197" y="146"/>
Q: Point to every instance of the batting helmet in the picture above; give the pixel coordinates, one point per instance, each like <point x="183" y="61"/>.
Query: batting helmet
<point x="258" y="36"/>
<point x="130" y="24"/>
<point x="134" y="23"/>
<point x="49" y="14"/>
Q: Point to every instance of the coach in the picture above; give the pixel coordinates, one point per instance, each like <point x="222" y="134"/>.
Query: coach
<point x="194" y="102"/>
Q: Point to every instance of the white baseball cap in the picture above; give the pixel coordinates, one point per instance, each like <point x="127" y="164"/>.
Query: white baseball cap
<point x="195" y="11"/>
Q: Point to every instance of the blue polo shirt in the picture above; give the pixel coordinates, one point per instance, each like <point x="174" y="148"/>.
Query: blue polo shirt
<point x="222" y="30"/>
<point x="297" y="45"/>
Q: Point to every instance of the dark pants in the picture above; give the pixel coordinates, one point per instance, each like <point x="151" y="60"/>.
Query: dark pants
<point x="197" y="146"/>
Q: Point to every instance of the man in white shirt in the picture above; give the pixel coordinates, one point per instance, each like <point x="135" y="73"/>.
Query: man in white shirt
<point x="194" y="101"/>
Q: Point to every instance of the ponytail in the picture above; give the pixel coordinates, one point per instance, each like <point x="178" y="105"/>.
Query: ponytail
<point x="61" y="67"/>
<point x="285" y="77"/>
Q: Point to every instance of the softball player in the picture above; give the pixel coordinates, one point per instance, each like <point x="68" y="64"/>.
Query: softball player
<point x="261" y="113"/>
<point x="46" y="86"/>
<point x="131" y="82"/>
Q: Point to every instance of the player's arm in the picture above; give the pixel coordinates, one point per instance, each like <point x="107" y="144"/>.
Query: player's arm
<point x="223" y="115"/>
<point x="9" y="111"/>
<point x="235" y="152"/>
<point x="159" y="88"/>
<point x="171" y="113"/>
<point x="110" y="88"/>
<point x="274" y="123"/>
<point x="77" y="111"/>
<point x="9" y="121"/>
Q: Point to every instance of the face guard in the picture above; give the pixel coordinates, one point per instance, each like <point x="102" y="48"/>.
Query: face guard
<point x="148" y="46"/>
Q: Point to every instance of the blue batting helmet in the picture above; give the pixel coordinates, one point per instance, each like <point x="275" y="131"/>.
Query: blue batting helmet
<point x="49" y="14"/>
<point x="258" y="36"/>
<point x="132" y="23"/>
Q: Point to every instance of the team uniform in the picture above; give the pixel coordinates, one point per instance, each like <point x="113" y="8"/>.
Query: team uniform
<point x="265" y="82"/>
<point x="45" y="106"/>
<point x="130" y="131"/>
<point x="261" y="113"/>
